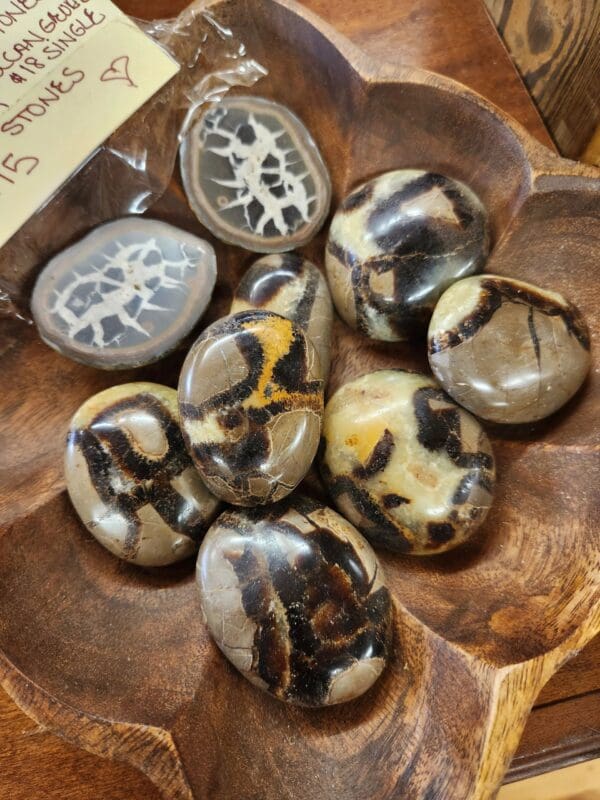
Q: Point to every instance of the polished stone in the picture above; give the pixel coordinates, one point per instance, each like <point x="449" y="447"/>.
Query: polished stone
<point x="411" y="469"/>
<point x="125" y="295"/>
<point x="130" y="478"/>
<point x="254" y="176"/>
<point x="295" y="598"/>
<point x="251" y="405"/>
<point x="396" y="243"/>
<point x="292" y="286"/>
<point x="508" y="351"/>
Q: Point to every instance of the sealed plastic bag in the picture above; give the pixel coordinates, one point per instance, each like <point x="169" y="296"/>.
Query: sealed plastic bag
<point x="132" y="169"/>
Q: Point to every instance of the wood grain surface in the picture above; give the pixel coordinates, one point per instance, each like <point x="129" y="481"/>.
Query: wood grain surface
<point x="556" y="46"/>
<point x="578" y="782"/>
<point x="49" y="766"/>
<point x="452" y="37"/>
<point x="37" y="765"/>
<point x="592" y="150"/>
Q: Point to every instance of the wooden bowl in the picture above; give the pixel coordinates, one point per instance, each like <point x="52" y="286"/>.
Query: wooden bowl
<point x="118" y="661"/>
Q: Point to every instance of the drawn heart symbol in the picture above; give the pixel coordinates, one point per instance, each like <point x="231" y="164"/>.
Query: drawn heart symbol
<point x="118" y="71"/>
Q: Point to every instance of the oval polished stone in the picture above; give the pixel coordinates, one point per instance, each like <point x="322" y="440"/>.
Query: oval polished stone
<point x="411" y="469"/>
<point x="131" y="479"/>
<point x="508" y="351"/>
<point x="126" y="294"/>
<point x="396" y="243"/>
<point x="292" y="286"/>
<point x="251" y="405"/>
<point x="295" y="598"/>
<point x="254" y="176"/>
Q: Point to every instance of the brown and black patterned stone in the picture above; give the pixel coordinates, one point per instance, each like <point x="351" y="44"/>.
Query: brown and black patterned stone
<point x="251" y="405"/>
<point x="131" y="479"/>
<point x="396" y="243"/>
<point x="508" y="351"/>
<point x="410" y="468"/>
<point x="295" y="598"/>
<point x="292" y="286"/>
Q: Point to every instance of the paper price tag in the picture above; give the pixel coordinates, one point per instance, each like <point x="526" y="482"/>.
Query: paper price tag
<point x="71" y="73"/>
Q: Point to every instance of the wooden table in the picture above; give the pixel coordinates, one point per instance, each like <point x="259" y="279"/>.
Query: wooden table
<point x="456" y="38"/>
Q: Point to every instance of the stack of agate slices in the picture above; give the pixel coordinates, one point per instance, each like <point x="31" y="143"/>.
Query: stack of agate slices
<point x="291" y="590"/>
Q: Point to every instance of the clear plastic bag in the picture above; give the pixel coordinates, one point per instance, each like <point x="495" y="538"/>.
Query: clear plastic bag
<point x="132" y="169"/>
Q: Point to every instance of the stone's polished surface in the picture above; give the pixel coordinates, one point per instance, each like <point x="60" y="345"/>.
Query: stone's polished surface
<point x="251" y="405"/>
<point x="294" y="287"/>
<point x="254" y="175"/>
<point x="411" y="469"/>
<point x="295" y="598"/>
<point x="396" y="243"/>
<point x="130" y="478"/>
<point x="508" y="351"/>
<point x="126" y="294"/>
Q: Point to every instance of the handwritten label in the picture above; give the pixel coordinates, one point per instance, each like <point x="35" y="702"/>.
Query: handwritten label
<point x="71" y="73"/>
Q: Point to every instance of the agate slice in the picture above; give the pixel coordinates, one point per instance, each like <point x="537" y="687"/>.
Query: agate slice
<point x="254" y="176"/>
<point x="411" y="469"/>
<point x="396" y="243"/>
<point x="251" y="404"/>
<point x="292" y="286"/>
<point x="130" y="478"/>
<point x="508" y="351"/>
<point x="296" y="600"/>
<point x="126" y="294"/>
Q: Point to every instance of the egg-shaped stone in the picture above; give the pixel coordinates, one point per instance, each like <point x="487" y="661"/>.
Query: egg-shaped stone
<point x="131" y="479"/>
<point x="251" y="406"/>
<point x="410" y="468"/>
<point x="254" y="176"/>
<point x="508" y="351"/>
<point x="396" y="243"/>
<point x="294" y="287"/>
<point x="295" y="598"/>
<point x="125" y="295"/>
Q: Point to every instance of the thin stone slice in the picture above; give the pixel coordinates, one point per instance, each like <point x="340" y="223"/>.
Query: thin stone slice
<point x="126" y="295"/>
<point x="254" y="175"/>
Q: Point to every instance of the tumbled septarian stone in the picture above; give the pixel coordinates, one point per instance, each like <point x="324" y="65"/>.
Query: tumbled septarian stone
<point x="508" y="351"/>
<point x="411" y="469"/>
<point x="254" y="176"/>
<point x="251" y="403"/>
<point x="131" y="479"/>
<point x="126" y="294"/>
<point x="292" y="286"/>
<point x="396" y="243"/>
<point x="295" y="598"/>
